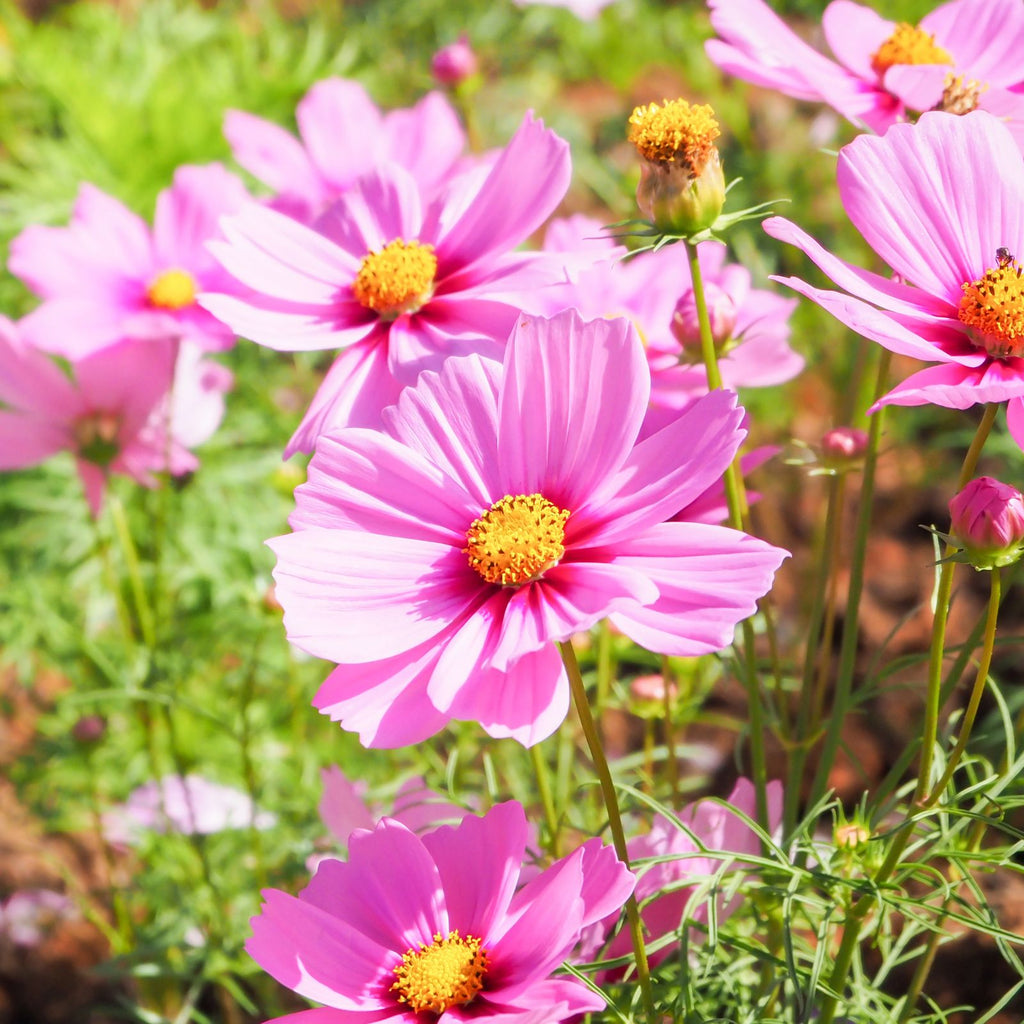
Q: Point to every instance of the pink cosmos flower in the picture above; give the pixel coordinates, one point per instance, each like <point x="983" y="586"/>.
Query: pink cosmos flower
<point x="28" y="916"/>
<point x="709" y="825"/>
<point x="189" y="804"/>
<point x="399" y="283"/>
<point x="654" y="290"/>
<point x="107" y="277"/>
<point x="501" y="508"/>
<point x="942" y="202"/>
<point x="344" y="136"/>
<point x="415" y="928"/>
<point x="970" y="47"/>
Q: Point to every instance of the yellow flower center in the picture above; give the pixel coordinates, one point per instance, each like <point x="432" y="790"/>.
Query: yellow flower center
<point x="449" y="972"/>
<point x="676" y="132"/>
<point x="993" y="308"/>
<point x="960" y="95"/>
<point x="908" y="44"/>
<point x="173" y="289"/>
<point x="516" y="539"/>
<point x="396" y="280"/>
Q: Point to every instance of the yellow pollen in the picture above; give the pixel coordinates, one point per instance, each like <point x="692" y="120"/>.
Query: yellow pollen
<point x="173" y="289"/>
<point x="516" y="539"/>
<point x="908" y="44"/>
<point x="675" y="132"/>
<point x="396" y="280"/>
<point x="960" y="95"/>
<point x="993" y="308"/>
<point x="449" y="972"/>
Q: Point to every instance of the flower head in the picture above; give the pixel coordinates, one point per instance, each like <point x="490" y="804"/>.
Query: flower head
<point x="400" y="282"/>
<point x="107" y="277"/>
<point x="502" y="508"/>
<point x="412" y="928"/>
<point x="962" y="55"/>
<point x="959" y="182"/>
<point x="988" y="522"/>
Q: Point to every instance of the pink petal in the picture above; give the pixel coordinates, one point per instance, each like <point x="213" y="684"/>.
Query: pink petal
<point x="1015" y="420"/>
<point x="854" y="33"/>
<point x="342" y="808"/>
<point x="271" y="154"/>
<point x="986" y="38"/>
<point x="30" y="381"/>
<point x="607" y="882"/>
<point x="427" y="139"/>
<point x="27" y="440"/>
<point x="959" y="387"/>
<point x="94" y="484"/>
<point x="73" y="327"/>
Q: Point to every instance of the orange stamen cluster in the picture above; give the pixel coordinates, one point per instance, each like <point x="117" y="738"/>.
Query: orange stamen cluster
<point x="449" y="972"/>
<point x="908" y="44"/>
<point x="516" y="539"/>
<point x="398" y="279"/>
<point x="993" y="308"/>
<point x="675" y="132"/>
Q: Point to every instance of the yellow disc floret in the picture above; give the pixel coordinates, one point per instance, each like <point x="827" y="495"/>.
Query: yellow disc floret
<point x="675" y="132"/>
<point x="960" y="95"/>
<point x="516" y="539"/>
<point x="908" y="44"/>
<point x="396" y="280"/>
<point x="172" y="289"/>
<point x="449" y="972"/>
<point x="993" y="308"/>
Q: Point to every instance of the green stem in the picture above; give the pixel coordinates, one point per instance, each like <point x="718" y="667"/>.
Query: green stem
<point x="131" y="558"/>
<point x="604" y="777"/>
<point x="543" y="774"/>
<point x="671" y="762"/>
<point x="605" y="673"/>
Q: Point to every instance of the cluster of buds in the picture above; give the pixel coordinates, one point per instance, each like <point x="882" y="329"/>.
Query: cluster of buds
<point x="987" y="523"/>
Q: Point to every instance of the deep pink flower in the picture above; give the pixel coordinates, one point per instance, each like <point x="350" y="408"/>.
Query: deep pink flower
<point x="396" y="570"/>
<point x="883" y="67"/>
<point x="415" y="928"/>
<point x="454" y="63"/>
<point x="398" y="282"/>
<point x="942" y="202"/>
<point x="654" y="290"/>
<point x="107" y="277"/>
<point x="988" y="522"/>
<point x="344" y="136"/>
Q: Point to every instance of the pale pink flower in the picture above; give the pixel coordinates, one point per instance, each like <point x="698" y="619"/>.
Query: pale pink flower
<point x="883" y="67"/>
<point x="189" y="804"/>
<point x="28" y="916"/>
<point x="654" y="290"/>
<point x="343" y="135"/>
<point x="107" y="277"/>
<point x="415" y="928"/>
<point x="399" y="282"/>
<point x="408" y="569"/>
<point x="942" y="202"/>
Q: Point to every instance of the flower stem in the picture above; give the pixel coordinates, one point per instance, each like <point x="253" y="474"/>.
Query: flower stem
<point x="543" y="774"/>
<point x="604" y="777"/>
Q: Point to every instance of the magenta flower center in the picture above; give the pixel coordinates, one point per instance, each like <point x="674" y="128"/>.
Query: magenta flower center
<point x="993" y="308"/>
<point x="398" y="279"/>
<point x="449" y="972"/>
<point x="173" y="289"/>
<point x="96" y="437"/>
<point x="908" y="44"/>
<point x="516" y="539"/>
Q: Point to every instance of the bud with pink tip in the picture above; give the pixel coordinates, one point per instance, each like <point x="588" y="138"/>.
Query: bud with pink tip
<point x="988" y="522"/>
<point x="454" y="63"/>
<point x="721" y="314"/>
<point x="89" y="729"/>
<point x="843" y="445"/>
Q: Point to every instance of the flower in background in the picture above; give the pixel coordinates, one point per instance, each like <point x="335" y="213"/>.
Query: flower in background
<point x="439" y="925"/>
<point x="344" y="136"/>
<point x="942" y="202"/>
<point x="188" y="804"/>
<point x="713" y="826"/>
<point x="963" y="54"/>
<point x="29" y="915"/>
<point x="399" y="283"/>
<point x="654" y="290"/>
<point x="107" y="277"/>
<point x="455" y="63"/>
<point x="503" y="508"/>
<point x="988" y="522"/>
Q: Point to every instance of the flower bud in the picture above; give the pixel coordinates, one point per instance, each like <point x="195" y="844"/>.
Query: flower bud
<point x="721" y="314"/>
<point x="843" y="445"/>
<point x="454" y="63"/>
<point x="682" y="187"/>
<point x="850" y="835"/>
<point x="988" y="522"/>
<point x="89" y="728"/>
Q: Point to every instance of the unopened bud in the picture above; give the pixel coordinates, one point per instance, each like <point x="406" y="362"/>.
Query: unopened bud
<point x="454" y="63"/>
<point x="721" y="316"/>
<point x="850" y="836"/>
<point x="844" y="444"/>
<point x="988" y="522"/>
<point x="89" y="728"/>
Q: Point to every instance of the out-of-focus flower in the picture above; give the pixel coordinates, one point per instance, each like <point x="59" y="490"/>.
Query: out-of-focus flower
<point x="682" y="187"/>
<point x="844" y="444"/>
<point x="963" y="55"/>
<point x="959" y="181"/>
<point x="344" y="135"/>
<point x="439" y="925"/>
<point x="189" y="804"/>
<point x="399" y="283"/>
<point x="501" y="509"/>
<point x="89" y="729"/>
<point x="29" y="915"/>
<point x="107" y="277"/>
<point x="455" y="63"/>
<point x="988" y="522"/>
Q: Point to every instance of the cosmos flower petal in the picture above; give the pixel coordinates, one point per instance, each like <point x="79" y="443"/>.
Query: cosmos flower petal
<point x="27" y="441"/>
<point x="923" y="198"/>
<point x="1015" y="420"/>
<point x="985" y="36"/>
<point x="854" y="33"/>
<point x="270" y="153"/>
<point x="72" y="327"/>
<point x="317" y="954"/>
<point x="959" y="387"/>
<point x="428" y="138"/>
<point x="607" y="883"/>
<point x="476" y="899"/>
<point x="29" y="380"/>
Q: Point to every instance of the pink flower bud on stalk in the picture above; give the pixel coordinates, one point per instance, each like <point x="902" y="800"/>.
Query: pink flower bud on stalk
<point x="682" y="187"/>
<point x="843" y="446"/>
<point x="721" y="313"/>
<point x="89" y="729"/>
<point x="454" y="63"/>
<point x="988" y="522"/>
